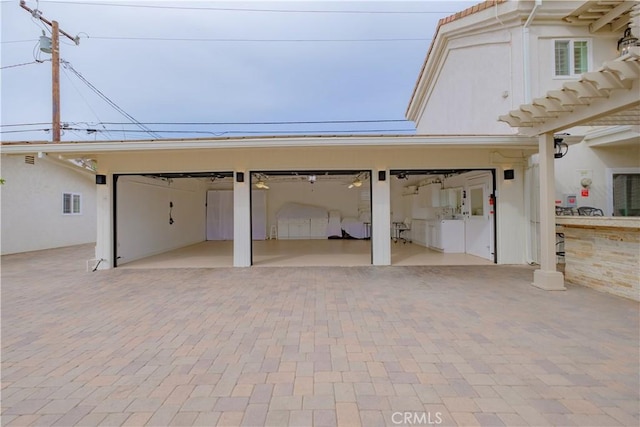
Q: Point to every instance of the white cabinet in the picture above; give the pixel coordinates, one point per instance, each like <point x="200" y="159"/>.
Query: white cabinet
<point x="413" y="207"/>
<point x="447" y="236"/>
<point x="318" y="228"/>
<point x="448" y="198"/>
<point x="420" y="232"/>
<point x="441" y="235"/>
<point x="435" y="235"/>
<point x="302" y="229"/>
<point x="429" y="195"/>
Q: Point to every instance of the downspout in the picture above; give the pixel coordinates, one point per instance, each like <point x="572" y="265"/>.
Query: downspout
<point x="526" y="76"/>
<point x="526" y="48"/>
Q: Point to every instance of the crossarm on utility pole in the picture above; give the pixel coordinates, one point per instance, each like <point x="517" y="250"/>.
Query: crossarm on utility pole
<point x="23" y="5"/>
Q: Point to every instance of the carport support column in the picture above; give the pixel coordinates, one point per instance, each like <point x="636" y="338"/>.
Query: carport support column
<point x="381" y="219"/>
<point x="242" y="221"/>
<point x="547" y="277"/>
<point x="104" y="224"/>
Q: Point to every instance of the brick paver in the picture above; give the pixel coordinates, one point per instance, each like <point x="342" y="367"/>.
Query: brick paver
<point x="309" y="346"/>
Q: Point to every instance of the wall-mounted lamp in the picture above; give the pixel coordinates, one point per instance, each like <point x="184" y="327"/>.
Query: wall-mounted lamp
<point x="626" y="42"/>
<point x="560" y="148"/>
<point x="239" y="176"/>
<point x="101" y="179"/>
<point x="509" y="174"/>
<point x="382" y="175"/>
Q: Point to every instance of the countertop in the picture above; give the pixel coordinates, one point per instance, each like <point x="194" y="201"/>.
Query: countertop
<point x="599" y="222"/>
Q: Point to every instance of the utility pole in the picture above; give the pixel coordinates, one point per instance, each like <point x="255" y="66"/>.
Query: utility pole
<point x="55" y="66"/>
<point x="55" y="81"/>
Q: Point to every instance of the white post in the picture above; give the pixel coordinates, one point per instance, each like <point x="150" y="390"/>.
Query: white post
<point x="241" y="221"/>
<point x="104" y="225"/>
<point x="547" y="277"/>
<point x="381" y="219"/>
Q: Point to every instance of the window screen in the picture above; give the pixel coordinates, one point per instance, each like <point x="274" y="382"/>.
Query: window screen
<point x="580" y="57"/>
<point x="562" y="57"/>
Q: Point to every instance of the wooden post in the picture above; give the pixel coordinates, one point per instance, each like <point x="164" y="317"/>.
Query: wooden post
<point x="55" y="80"/>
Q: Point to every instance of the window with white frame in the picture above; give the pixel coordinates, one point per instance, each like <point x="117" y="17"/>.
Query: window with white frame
<point x="571" y="57"/>
<point x="71" y="204"/>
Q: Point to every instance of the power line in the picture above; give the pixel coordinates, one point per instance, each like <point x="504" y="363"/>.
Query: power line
<point x="235" y="132"/>
<point x="288" y="122"/>
<point x="219" y="40"/>
<point x="235" y="9"/>
<point x="25" y="124"/>
<point x="68" y="66"/>
<point x="19" y="41"/>
<point x="80" y="93"/>
<point x="20" y="65"/>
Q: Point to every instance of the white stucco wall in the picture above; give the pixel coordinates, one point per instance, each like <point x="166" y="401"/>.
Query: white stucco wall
<point x="474" y="83"/>
<point x="32" y="216"/>
<point x="143" y="227"/>
<point x="543" y="79"/>
<point x="582" y="160"/>
<point x="480" y="74"/>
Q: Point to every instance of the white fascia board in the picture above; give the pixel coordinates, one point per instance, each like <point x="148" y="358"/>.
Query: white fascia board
<point x="455" y="141"/>
<point x="614" y="135"/>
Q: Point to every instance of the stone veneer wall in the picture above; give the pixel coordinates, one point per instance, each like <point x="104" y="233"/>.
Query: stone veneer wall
<point x="606" y="259"/>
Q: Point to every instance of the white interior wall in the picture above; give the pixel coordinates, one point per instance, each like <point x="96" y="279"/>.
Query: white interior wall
<point x="143" y="227"/>
<point x="331" y="195"/>
<point x="32" y="216"/>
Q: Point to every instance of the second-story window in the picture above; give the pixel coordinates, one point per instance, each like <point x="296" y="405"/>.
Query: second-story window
<point x="571" y="57"/>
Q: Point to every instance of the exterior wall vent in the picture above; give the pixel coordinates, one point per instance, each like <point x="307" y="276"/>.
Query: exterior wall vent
<point x="30" y="160"/>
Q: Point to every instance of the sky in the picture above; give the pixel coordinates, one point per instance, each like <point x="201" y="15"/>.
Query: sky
<point x="197" y="69"/>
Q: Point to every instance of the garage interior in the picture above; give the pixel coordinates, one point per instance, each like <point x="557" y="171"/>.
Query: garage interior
<point x="442" y="216"/>
<point x="298" y="218"/>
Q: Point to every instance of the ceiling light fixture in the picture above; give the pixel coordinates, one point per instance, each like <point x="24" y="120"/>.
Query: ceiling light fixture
<point x="356" y="183"/>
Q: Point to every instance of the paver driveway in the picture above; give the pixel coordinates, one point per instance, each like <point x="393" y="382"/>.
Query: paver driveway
<point x="309" y="346"/>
